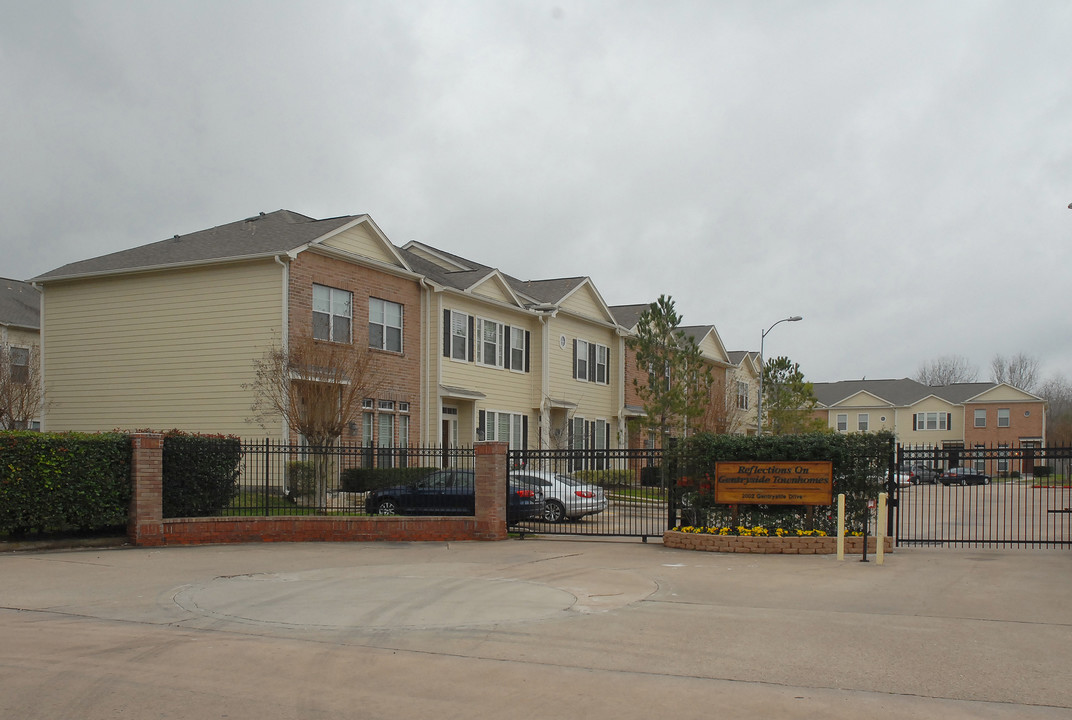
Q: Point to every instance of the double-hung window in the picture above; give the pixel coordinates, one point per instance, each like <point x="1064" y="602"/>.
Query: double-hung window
<point x="20" y="365"/>
<point x="742" y="395"/>
<point x="489" y="343"/>
<point x="980" y="417"/>
<point x="863" y="422"/>
<point x="591" y="362"/>
<point x="517" y="348"/>
<point x="459" y="328"/>
<point x="385" y="325"/>
<point x="332" y="314"/>
<point x="843" y="422"/>
<point x="1003" y="417"/>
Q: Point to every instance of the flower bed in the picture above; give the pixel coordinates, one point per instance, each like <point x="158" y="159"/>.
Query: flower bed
<point x="763" y="541"/>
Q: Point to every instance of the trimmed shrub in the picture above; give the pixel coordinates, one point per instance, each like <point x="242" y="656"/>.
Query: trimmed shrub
<point x="63" y="482"/>
<point x="200" y="475"/>
<point x="860" y="464"/>
<point x="1041" y="471"/>
<point x="605" y="478"/>
<point x="301" y="478"/>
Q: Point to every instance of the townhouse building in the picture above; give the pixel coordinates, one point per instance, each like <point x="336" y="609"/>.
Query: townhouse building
<point x="20" y="331"/>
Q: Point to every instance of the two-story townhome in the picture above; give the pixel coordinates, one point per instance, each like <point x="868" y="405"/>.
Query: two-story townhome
<point x="166" y="335"/>
<point x="532" y="363"/>
<point x="20" y="330"/>
<point x="959" y="415"/>
<point x="742" y="386"/>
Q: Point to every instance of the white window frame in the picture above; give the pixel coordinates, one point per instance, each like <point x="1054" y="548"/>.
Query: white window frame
<point x="863" y="422"/>
<point x="334" y="303"/>
<point x="499" y="422"/>
<point x="484" y="344"/>
<point x="20" y="371"/>
<point x="580" y="369"/>
<point x="459" y="321"/>
<point x="517" y="349"/>
<point x="980" y="417"/>
<point x="1004" y="417"/>
<point x="842" y="422"/>
<point x="742" y="395"/>
<point x="388" y="330"/>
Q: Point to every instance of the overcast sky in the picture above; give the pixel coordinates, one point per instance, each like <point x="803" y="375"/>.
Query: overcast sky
<point x="899" y="173"/>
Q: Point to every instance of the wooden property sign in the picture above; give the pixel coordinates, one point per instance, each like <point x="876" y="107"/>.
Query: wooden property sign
<point x="774" y="483"/>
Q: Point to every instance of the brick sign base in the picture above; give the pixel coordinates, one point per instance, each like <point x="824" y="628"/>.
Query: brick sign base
<point x="769" y="545"/>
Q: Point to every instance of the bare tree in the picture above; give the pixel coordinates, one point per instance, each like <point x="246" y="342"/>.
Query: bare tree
<point x="946" y="370"/>
<point x="1057" y="391"/>
<point x="21" y="398"/>
<point x="1021" y="371"/>
<point x="317" y="388"/>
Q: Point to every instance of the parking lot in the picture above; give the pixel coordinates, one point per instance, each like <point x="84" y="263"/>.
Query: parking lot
<point x="531" y="629"/>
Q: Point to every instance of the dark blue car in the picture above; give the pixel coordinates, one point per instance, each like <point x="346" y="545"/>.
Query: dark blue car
<point x="450" y="492"/>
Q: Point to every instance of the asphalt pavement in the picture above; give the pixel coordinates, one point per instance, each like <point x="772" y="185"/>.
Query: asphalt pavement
<point x="534" y="628"/>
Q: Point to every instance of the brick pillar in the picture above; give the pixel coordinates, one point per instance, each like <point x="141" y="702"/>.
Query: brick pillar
<point x="491" y="490"/>
<point x="144" y="524"/>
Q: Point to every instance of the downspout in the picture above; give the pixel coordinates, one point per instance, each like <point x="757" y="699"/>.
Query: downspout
<point x="41" y="353"/>
<point x="424" y="392"/>
<point x="285" y="325"/>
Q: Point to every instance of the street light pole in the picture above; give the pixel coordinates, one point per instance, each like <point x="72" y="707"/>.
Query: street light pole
<point x="759" y="408"/>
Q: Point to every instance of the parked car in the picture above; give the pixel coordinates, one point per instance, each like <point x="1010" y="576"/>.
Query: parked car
<point x="963" y="476"/>
<point x="921" y="473"/>
<point x="903" y="479"/>
<point x="451" y="492"/>
<point x="563" y="496"/>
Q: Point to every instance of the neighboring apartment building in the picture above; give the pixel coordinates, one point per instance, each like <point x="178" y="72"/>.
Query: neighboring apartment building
<point x="20" y="331"/>
<point x="166" y="335"/>
<point x="742" y="386"/>
<point x="959" y="415"/>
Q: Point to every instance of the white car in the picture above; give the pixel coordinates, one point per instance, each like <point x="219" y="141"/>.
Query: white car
<point x="563" y="497"/>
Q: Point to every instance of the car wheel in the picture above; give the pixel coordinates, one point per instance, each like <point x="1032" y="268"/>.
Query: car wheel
<point x="387" y="506"/>
<point x="553" y="511"/>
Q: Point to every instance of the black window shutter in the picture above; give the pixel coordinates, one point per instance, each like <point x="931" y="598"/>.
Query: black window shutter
<point x="524" y="432"/>
<point x="592" y="362"/>
<point x="606" y="442"/>
<point x="480" y="426"/>
<point x="575" y="357"/>
<point x="606" y="372"/>
<point x="508" y="345"/>
<point x="446" y="333"/>
<point x="472" y="332"/>
<point x="949" y="421"/>
<point x="526" y="351"/>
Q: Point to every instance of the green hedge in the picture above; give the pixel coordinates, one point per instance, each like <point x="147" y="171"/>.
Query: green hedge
<point x="365" y="479"/>
<point x="200" y="473"/>
<point x="860" y="465"/>
<point x="54" y="483"/>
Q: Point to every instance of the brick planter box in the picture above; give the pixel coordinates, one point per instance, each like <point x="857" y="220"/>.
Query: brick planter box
<point x="769" y="545"/>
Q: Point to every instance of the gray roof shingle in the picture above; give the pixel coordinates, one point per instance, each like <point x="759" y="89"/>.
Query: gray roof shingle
<point x="20" y="304"/>
<point x="264" y="234"/>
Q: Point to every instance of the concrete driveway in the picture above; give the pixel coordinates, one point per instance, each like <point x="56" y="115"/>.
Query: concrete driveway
<point x="537" y="628"/>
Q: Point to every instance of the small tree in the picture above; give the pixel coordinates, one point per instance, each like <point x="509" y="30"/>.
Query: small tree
<point x="946" y="370"/>
<point x="677" y="388"/>
<point x="21" y="398"/>
<point x="317" y="387"/>
<point x="788" y="399"/>
<point x="1057" y="391"/>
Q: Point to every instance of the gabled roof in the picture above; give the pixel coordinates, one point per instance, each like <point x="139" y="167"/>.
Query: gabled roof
<point x="699" y="333"/>
<point x="901" y="393"/>
<point x="628" y="315"/>
<point x="20" y="304"/>
<point x="738" y="356"/>
<point x="264" y="235"/>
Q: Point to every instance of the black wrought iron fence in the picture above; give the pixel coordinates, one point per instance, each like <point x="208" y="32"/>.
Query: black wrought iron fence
<point x="597" y="492"/>
<point x="992" y="496"/>
<point x="297" y="479"/>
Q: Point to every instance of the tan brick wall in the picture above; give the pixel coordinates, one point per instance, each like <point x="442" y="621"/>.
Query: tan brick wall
<point x="769" y="545"/>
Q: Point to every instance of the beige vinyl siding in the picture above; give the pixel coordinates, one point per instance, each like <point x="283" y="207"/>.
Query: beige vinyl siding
<point x="19" y="337"/>
<point x="160" y="350"/>
<point x="1003" y="393"/>
<point x="359" y="240"/>
<point x="593" y="400"/>
<point x="506" y="390"/>
<point x="493" y="290"/>
<point x="586" y="303"/>
<point x="909" y="436"/>
<point x="711" y="350"/>
<point x="860" y="400"/>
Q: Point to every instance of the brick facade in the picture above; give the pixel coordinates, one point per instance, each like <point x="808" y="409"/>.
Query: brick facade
<point x="1026" y="421"/>
<point x="398" y="373"/>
